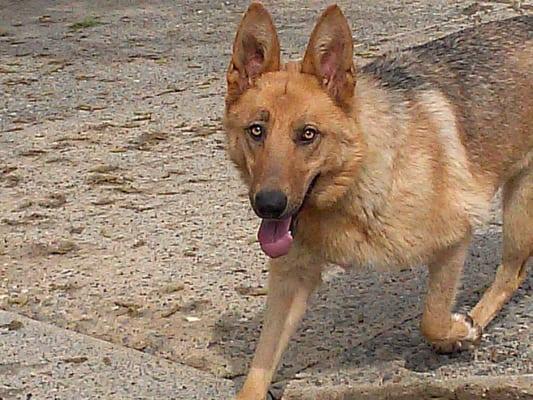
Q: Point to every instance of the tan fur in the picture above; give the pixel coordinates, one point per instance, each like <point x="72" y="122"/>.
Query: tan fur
<point x="407" y="164"/>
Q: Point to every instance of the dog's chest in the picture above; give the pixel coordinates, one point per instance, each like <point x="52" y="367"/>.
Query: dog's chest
<point x="341" y="240"/>
<point x="387" y="242"/>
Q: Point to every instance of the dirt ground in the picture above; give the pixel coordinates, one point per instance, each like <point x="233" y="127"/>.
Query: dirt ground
<point x="121" y="217"/>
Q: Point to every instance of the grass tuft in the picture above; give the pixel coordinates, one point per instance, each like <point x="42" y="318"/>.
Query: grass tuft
<point x="87" y="22"/>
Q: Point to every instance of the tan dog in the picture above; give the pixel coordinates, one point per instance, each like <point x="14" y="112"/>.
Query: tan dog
<point x="392" y="164"/>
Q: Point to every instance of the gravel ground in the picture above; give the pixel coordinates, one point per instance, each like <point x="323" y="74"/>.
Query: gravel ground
<point x="122" y="219"/>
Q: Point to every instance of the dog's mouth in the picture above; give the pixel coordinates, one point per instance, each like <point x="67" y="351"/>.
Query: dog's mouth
<point x="276" y="235"/>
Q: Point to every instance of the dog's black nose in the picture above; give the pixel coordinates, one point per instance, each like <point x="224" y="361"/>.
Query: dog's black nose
<point x="270" y="203"/>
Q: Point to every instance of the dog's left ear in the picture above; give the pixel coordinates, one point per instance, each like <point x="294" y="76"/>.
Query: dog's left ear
<point x="329" y="55"/>
<point x="256" y="50"/>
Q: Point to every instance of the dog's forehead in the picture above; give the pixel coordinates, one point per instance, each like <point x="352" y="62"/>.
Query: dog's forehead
<point x="285" y="95"/>
<point x="282" y="81"/>
<point x="292" y="66"/>
<point x="288" y="89"/>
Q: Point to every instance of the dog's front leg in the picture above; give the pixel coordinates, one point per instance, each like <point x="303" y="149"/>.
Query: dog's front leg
<point x="291" y="281"/>
<point x="447" y="331"/>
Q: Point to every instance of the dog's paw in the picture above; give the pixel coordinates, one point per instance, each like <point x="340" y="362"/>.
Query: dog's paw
<point x="466" y="335"/>
<point x="269" y="396"/>
<point x="246" y="395"/>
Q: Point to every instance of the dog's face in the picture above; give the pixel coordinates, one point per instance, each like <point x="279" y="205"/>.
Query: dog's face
<point x="289" y="129"/>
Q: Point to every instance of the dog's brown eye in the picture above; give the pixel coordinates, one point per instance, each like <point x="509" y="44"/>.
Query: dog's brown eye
<point x="309" y="134"/>
<point x="256" y="131"/>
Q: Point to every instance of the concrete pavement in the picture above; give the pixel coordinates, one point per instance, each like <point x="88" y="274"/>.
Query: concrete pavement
<point x="41" y="361"/>
<point x="122" y="219"/>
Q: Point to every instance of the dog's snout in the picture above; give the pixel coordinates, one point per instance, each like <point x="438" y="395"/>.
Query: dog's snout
<point x="270" y="203"/>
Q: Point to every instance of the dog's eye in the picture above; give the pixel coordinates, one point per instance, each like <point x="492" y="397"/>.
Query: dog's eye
<point x="309" y="134"/>
<point x="256" y="131"/>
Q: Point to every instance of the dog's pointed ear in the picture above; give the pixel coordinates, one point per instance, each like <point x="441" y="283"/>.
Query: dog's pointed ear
<point x="255" y="50"/>
<point x="329" y="55"/>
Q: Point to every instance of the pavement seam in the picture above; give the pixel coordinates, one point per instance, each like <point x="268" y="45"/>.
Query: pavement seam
<point x="118" y="345"/>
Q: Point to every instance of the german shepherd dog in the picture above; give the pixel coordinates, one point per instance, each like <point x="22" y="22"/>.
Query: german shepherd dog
<point x="392" y="164"/>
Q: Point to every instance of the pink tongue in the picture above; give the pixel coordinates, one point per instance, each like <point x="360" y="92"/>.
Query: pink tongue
<point x="274" y="236"/>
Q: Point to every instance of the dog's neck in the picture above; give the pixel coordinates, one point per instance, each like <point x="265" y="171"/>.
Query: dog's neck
<point x="378" y="125"/>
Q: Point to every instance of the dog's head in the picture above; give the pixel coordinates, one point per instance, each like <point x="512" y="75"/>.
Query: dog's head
<point x="289" y="127"/>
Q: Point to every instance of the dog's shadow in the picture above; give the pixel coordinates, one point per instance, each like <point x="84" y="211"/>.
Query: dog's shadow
<point x="365" y="319"/>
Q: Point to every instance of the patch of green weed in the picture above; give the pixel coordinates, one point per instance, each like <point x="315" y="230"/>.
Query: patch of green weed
<point x="87" y="22"/>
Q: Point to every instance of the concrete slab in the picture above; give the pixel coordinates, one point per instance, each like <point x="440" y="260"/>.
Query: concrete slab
<point x="487" y="388"/>
<point x="41" y="361"/>
<point x="122" y="219"/>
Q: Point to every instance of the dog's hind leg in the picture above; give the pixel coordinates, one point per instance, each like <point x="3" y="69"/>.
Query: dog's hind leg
<point x="517" y="247"/>
<point x="290" y="284"/>
<point x="446" y="331"/>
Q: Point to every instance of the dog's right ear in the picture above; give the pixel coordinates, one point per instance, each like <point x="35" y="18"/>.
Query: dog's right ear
<point x="255" y="51"/>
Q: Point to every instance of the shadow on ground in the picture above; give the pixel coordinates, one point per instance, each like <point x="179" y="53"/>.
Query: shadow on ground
<point x="360" y="323"/>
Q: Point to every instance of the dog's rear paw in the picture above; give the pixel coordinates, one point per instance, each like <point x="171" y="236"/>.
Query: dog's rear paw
<point x="467" y="335"/>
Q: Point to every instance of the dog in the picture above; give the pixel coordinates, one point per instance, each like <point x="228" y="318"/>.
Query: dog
<point x="392" y="164"/>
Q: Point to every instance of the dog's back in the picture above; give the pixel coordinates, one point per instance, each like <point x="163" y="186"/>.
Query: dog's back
<point x="485" y="74"/>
